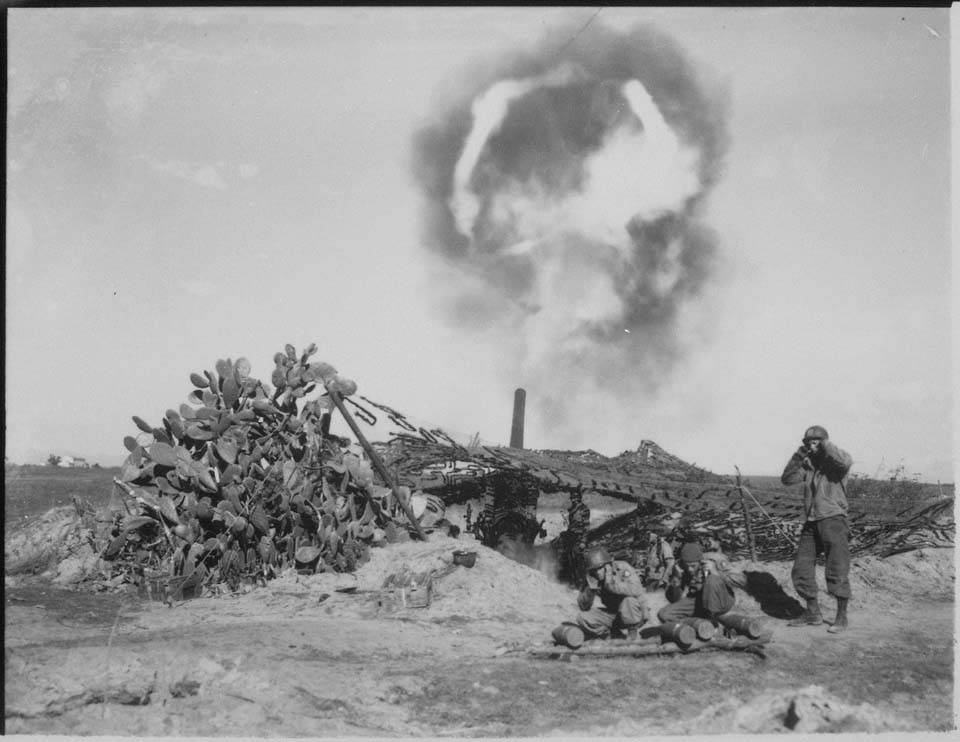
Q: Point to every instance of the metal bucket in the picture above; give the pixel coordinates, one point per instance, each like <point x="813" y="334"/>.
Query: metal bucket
<point x="465" y="558"/>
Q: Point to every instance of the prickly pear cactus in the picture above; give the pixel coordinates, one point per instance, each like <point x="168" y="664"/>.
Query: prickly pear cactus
<point x="241" y="481"/>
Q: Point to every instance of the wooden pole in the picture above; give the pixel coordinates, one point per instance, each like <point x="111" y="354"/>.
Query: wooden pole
<point x="122" y="486"/>
<point x="768" y="516"/>
<point x="746" y="518"/>
<point x="375" y="460"/>
<point x="129" y="490"/>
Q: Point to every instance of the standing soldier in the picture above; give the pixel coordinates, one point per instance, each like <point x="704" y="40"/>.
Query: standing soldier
<point x="821" y="467"/>
<point x="660" y="561"/>
<point x="574" y="543"/>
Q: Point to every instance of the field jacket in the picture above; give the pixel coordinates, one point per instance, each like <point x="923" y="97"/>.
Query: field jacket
<point x="823" y="482"/>
<point x="620" y="580"/>
<point x="690" y="582"/>
<point x="660" y="560"/>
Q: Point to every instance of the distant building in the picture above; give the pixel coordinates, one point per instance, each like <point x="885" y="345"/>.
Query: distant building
<point x="73" y="462"/>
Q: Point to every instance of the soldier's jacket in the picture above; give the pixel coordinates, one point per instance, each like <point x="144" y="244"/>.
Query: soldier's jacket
<point x="716" y="563"/>
<point x="824" y="482"/>
<point x="619" y="580"/>
<point x="660" y="559"/>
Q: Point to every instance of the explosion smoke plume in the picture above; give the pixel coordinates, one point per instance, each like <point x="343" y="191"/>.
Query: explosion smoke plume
<point x="563" y="189"/>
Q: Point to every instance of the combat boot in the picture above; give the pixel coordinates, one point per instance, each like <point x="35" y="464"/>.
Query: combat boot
<point x="840" y="622"/>
<point x="810" y="617"/>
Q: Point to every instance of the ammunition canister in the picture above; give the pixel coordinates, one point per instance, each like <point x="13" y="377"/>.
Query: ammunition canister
<point x="682" y="634"/>
<point x="569" y="635"/>
<point x="703" y="627"/>
<point x="751" y="627"/>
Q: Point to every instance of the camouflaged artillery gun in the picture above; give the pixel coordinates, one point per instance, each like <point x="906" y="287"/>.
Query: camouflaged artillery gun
<point x="509" y="510"/>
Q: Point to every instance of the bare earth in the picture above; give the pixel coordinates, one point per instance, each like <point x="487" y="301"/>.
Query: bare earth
<point x="286" y="661"/>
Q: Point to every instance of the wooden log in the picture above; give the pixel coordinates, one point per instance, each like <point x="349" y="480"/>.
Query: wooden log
<point x="746" y="518"/>
<point x="648" y="649"/>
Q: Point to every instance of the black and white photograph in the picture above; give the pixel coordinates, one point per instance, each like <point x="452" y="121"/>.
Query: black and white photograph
<point x="479" y="371"/>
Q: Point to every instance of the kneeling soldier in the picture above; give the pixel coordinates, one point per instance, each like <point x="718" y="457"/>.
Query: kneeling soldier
<point x="700" y="585"/>
<point x="622" y="606"/>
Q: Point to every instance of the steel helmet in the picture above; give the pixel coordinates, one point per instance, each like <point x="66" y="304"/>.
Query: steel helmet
<point x="597" y="557"/>
<point x="815" y="431"/>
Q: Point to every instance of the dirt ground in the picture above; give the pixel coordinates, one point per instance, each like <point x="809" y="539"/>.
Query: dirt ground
<point x="319" y="656"/>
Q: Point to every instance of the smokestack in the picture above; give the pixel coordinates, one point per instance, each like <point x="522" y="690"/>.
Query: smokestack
<point x="516" y="430"/>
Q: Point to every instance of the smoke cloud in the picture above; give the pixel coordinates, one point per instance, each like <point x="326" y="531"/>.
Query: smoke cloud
<point x="563" y="189"/>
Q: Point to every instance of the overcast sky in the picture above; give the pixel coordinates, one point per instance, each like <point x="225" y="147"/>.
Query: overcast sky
<point x="185" y="185"/>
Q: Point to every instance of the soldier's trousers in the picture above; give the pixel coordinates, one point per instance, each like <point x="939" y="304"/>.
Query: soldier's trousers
<point x="829" y="536"/>
<point x="714" y="599"/>
<point x="601" y="619"/>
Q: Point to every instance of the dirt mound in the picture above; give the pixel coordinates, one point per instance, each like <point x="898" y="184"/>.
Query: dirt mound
<point x="809" y="710"/>
<point x="919" y="573"/>
<point x="927" y="574"/>
<point x="496" y="587"/>
<point x="57" y="545"/>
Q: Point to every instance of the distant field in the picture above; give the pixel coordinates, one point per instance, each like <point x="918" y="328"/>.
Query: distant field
<point x="30" y="490"/>
<point x="917" y="490"/>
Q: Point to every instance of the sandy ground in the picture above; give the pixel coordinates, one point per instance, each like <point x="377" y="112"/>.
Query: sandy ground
<point x="320" y="656"/>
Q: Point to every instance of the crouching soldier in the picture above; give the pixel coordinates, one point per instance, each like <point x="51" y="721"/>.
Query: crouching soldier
<point x="700" y="585"/>
<point x="621" y="607"/>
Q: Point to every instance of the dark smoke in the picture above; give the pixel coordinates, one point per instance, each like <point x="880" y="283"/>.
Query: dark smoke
<point x="545" y="139"/>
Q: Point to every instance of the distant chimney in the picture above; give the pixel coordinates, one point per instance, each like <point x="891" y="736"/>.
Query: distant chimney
<point x="516" y="430"/>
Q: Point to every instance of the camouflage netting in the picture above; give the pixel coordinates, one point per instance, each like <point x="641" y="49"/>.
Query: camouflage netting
<point x="673" y="496"/>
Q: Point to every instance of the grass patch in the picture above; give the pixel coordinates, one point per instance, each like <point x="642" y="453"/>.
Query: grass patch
<point x="33" y="490"/>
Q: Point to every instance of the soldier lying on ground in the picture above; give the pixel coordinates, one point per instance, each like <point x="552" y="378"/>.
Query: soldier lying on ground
<point x="700" y="585"/>
<point x="621" y="607"/>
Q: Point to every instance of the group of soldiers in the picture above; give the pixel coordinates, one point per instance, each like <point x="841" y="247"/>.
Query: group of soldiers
<point x="696" y="577"/>
<point x="697" y="583"/>
<point x="572" y="547"/>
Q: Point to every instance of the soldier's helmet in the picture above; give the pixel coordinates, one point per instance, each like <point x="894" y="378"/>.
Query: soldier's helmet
<point x="815" y="431"/>
<point x="596" y="558"/>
